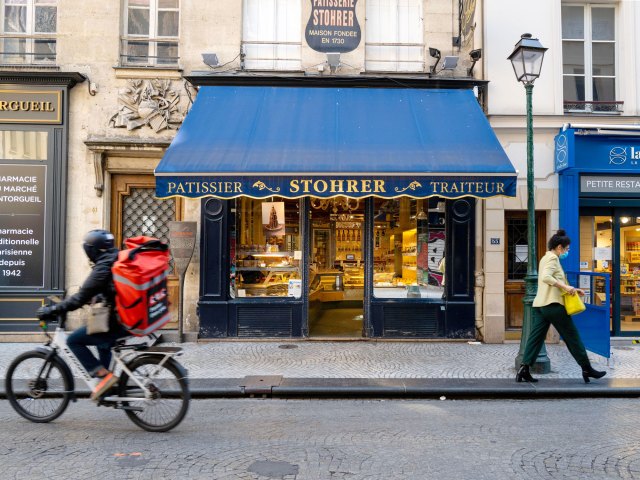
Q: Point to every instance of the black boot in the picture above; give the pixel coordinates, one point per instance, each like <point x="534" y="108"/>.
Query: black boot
<point x="524" y="375"/>
<point x="588" y="371"/>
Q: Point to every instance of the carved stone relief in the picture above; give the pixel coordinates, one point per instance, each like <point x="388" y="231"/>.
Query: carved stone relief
<point x="148" y="102"/>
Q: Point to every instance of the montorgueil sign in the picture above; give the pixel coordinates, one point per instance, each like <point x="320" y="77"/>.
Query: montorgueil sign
<point x="333" y="26"/>
<point x="355" y="187"/>
<point x="30" y="106"/>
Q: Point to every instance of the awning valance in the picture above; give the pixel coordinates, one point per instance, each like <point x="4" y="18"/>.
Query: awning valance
<point x="325" y="142"/>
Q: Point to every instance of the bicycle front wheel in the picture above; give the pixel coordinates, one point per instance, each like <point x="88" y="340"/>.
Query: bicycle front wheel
<point x="37" y="388"/>
<point x="169" y="389"/>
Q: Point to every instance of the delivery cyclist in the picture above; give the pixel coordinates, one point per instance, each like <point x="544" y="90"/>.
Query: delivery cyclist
<point x="99" y="247"/>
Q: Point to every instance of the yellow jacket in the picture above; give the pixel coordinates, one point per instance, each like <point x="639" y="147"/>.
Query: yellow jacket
<point x="549" y="272"/>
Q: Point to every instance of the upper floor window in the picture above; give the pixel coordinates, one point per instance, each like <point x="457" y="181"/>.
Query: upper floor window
<point x="394" y="36"/>
<point x="151" y="32"/>
<point x="272" y="34"/>
<point x="589" y="58"/>
<point x="29" y="31"/>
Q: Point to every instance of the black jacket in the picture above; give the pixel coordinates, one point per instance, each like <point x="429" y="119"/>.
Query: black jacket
<point x="99" y="282"/>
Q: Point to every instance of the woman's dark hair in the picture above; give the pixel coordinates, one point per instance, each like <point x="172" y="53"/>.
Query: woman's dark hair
<point x="559" y="238"/>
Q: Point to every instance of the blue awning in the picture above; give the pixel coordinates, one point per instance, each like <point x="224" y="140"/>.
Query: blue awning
<point x="356" y="142"/>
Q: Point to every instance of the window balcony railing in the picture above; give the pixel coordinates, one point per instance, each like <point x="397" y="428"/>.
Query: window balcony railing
<point x="27" y="49"/>
<point x="394" y="57"/>
<point x="574" y="106"/>
<point x="272" y="55"/>
<point x="148" y="52"/>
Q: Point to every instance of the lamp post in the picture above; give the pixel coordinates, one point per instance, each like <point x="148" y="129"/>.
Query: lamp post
<point x="526" y="60"/>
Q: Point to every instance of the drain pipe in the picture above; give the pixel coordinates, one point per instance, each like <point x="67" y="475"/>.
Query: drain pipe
<point x="479" y="270"/>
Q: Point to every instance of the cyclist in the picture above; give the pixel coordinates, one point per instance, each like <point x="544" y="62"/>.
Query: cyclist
<point x="99" y="247"/>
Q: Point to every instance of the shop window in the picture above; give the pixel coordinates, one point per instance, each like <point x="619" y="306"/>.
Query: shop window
<point x="151" y="31"/>
<point x="23" y="145"/>
<point x="409" y="248"/>
<point x="394" y="36"/>
<point x="272" y="34"/>
<point x="29" y="31"/>
<point x="266" y="252"/>
<point x="589" y="58"/>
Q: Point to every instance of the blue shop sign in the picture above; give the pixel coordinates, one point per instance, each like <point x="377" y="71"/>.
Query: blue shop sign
<point x="590" y="150"/>
<point x="353" y="187"/>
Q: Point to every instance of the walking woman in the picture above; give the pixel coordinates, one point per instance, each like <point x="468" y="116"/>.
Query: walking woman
<point x="549" y="305"/>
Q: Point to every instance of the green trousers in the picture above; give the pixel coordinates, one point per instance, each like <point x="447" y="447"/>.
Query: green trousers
<point x="554" y="314"/>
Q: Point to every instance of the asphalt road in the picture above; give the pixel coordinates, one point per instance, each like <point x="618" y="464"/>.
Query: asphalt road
<point x="334" y="439"/>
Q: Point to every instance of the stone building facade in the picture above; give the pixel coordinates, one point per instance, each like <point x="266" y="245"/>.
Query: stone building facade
<point x="134" y="55"/>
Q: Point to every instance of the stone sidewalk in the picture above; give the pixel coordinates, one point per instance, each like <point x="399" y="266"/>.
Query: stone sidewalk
<point x="236" y="368"/>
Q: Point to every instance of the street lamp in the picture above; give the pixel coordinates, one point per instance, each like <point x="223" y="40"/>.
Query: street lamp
<point x="526" y="59"/>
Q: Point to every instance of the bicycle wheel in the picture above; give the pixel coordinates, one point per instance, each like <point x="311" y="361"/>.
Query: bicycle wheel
<point x="37" y="388"/>
<point x="170" y="393"/>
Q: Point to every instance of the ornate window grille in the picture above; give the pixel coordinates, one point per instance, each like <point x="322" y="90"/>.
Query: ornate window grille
<point x="143" y="214"/>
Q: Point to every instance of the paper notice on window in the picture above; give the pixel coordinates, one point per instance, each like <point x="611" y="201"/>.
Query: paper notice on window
<point x="602" y="253"/>
<point x="585" y="281"/>
<point x="295" y="288"/>
<point x="297" y="255"/>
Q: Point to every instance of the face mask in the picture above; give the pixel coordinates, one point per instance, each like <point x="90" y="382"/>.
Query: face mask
<point x="564" y="255"/>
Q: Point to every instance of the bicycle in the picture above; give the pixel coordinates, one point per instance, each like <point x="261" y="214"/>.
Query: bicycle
<point x="152" y="390"/>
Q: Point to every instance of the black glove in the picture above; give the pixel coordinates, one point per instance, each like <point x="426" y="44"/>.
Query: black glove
<point x="44" y="313"/>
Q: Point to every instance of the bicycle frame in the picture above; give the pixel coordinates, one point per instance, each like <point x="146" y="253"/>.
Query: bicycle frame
<point x="58" y="344"/>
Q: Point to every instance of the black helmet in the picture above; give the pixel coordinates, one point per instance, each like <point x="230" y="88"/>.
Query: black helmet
<point x="97" y="242"/>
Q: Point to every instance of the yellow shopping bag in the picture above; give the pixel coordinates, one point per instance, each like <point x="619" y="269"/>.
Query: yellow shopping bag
<point x="573" y="304"/>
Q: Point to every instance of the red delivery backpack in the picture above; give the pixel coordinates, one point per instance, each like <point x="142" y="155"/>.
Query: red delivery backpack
<point x="140" y="278"/>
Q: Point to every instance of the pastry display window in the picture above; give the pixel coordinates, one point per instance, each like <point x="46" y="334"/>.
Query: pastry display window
<point x="266" y="252"/>
<point x="408" y="248"/>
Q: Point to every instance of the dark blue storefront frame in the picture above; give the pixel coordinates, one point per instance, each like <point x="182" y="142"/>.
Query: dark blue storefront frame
<point x="598" y="153"/>
<point x="452" y="316"/>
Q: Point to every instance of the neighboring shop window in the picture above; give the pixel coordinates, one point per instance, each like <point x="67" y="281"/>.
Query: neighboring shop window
<point x="629" y="272"/>
<point x="23" y="145"/>
<point x="409" y="248"/>
<point x="394" y="36"/>
<point x="266" y="249"/>
<point x="151" y="30"/>
<point x="29" y="28"/>
<point x="589" y="58"/>
<point x="272" y="34"/>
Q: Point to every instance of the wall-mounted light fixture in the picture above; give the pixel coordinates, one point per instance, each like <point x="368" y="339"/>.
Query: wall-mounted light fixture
<point x="333" y="59"/>
<point x="210" y="59"/>
<point x="435" y="53"/>
<point x="450" y="63"/>
<point x="475" y="56"/>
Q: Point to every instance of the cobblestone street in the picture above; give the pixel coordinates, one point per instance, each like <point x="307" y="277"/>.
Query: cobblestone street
<point x="372" y="359"/>
<point x="309" y="440"/>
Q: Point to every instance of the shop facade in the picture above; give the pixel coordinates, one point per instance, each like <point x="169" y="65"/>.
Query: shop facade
<point x="34" y="122"/>
<point x="336" y="208"/>
<point x="599" y="183"/>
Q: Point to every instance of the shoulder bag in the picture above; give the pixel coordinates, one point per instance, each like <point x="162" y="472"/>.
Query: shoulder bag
<point x="573" y="304"/>
<point x="98" y="321"/>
